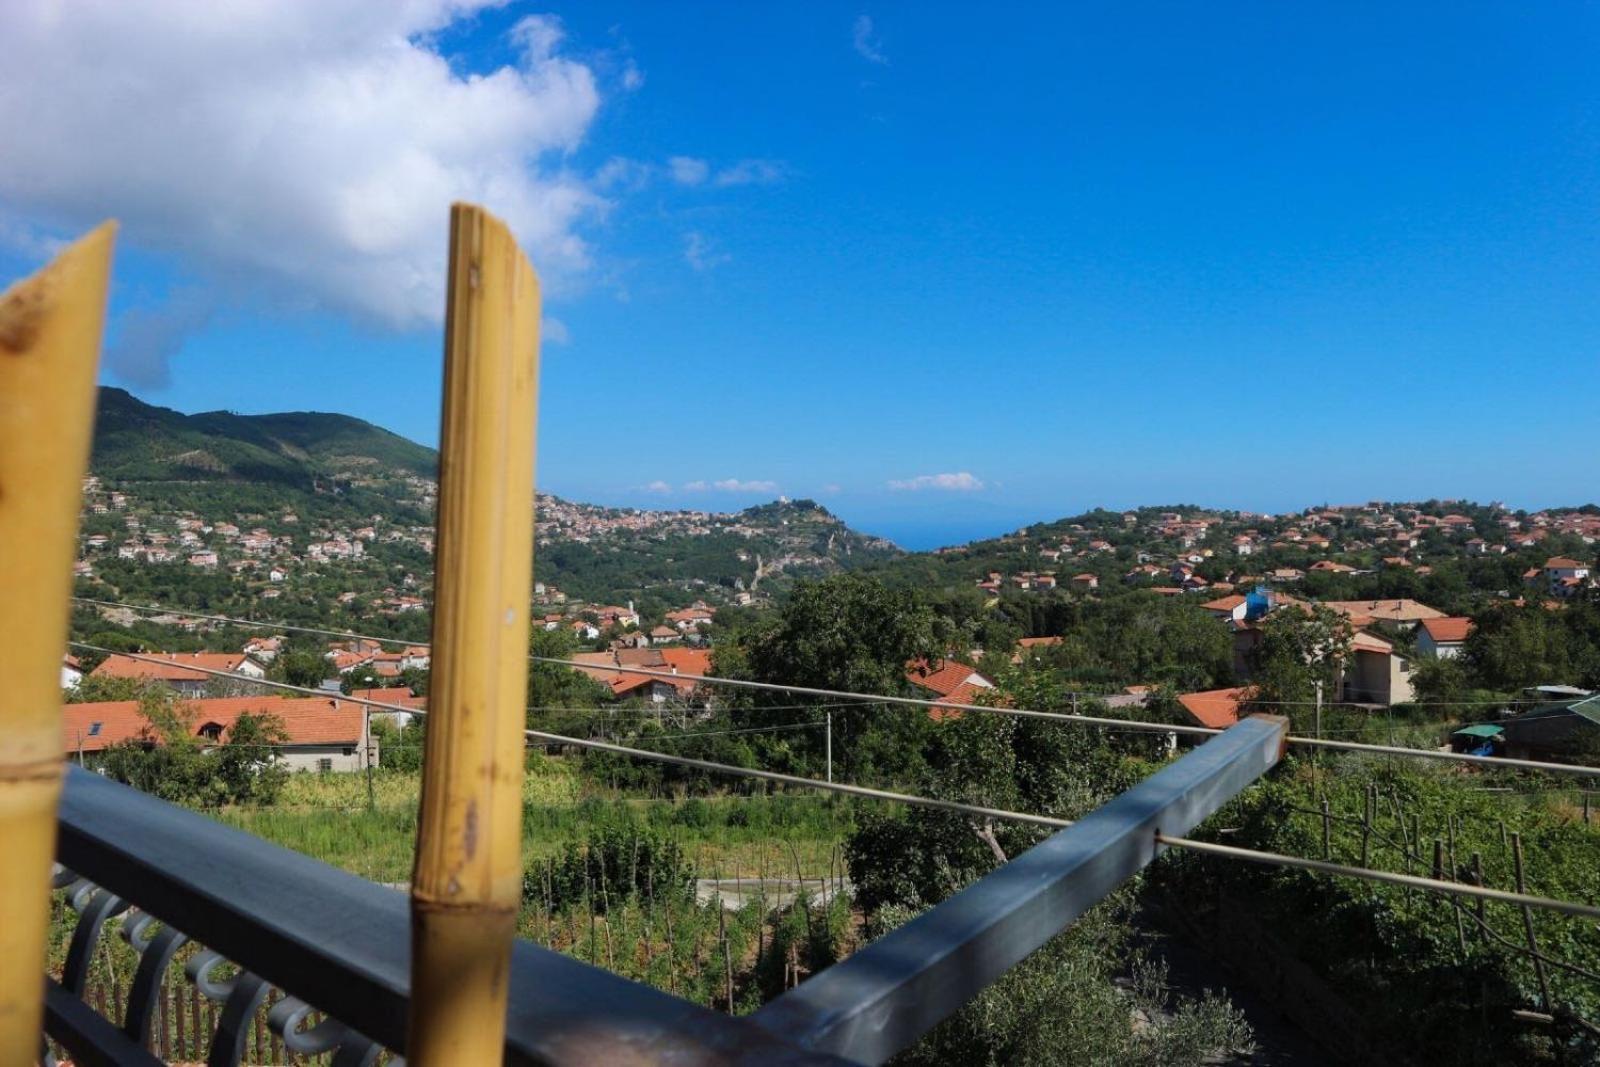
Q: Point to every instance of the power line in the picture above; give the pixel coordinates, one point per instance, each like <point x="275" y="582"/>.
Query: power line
<point x="1088" y="720"/>
<point x="1230" y="851"/>
<point x="663" y="757"/>
<point x="1460" y="889"/>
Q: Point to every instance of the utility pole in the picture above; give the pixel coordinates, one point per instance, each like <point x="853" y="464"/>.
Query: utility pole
<point x="366" y="745"/>
<point x="830" y="746"/>
<point x="1319" y="711"/>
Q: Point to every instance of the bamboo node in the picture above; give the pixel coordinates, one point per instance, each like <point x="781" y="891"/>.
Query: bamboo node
<point x="46" y="770"/>
<point x="23" y="308"/>
<point x="460" y="907"/>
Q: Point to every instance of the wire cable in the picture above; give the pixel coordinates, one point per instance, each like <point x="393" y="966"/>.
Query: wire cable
<point x="880" y="698"/>
<point x="1189" y="844"/>
<point x="1460" y="889"/>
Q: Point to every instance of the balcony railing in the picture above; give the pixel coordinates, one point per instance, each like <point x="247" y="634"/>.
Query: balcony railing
<point x="304" y="936"/>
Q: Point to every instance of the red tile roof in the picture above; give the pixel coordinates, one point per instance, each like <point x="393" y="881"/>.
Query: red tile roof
<point x="307" y="720"/>
<point x="1452" y="629"/>
<point x="172" y="668"/>
<point x="1365" y="642"/>
<point x="1216" y="708"/>
<point x="944" y="679"/>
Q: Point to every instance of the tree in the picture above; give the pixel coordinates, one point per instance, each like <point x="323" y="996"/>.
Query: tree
<point x="303" y="667"/>
<point x="849" y="633"/>
<point x="1300" y="647"/>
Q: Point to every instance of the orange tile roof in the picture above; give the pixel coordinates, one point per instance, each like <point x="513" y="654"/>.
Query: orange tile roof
<point x="172" y="668"/>
<point x="1225" y="603"/>
<point x="307" y="720"/>
<point x="1402" y="610"/>
<point x="945" y="679"/>
<point x="1365" y="642"/>
<point x="1216" y="708"/>
<point x="1451" y="629"/>
<point x="688" y="660"/>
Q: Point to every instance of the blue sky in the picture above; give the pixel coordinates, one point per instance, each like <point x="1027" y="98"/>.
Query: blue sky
<point x="945" y="270"/>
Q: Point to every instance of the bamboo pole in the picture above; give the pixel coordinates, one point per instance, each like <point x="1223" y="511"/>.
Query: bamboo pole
<point x="50" y="327"/>
<point x="468" y="874"/>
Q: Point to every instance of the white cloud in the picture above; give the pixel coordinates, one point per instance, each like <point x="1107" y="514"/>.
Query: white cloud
<point x="686" y="170"/>
<point x="962" y="482"/>
<point x="554" y="331"/>
<point x="632" y="76"/>
<point x="731" y="485"/>
<point x="832" y="489"/>
<point x="699" y="253"/>
<point x="304" y="149"/>
<point x="751" y="172"/>
<point x="620" y="172"/>
<point x="866" y="43"/>
<point x="658" y="486"/>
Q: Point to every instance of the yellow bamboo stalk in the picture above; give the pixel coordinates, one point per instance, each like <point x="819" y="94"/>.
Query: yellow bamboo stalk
<point x="468" y="876"/>
<point x="50" y="327"/>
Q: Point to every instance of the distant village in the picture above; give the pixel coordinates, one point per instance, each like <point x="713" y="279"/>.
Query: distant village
<point x="1213" y="557"/>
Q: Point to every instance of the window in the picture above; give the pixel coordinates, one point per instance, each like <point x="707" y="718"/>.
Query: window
<point x="349" y="752"/>
<point x="324" y="766"/>
<point x="94" y="729"/>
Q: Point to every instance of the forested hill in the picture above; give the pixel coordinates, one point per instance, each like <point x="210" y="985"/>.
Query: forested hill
<point x="140" y="442"/>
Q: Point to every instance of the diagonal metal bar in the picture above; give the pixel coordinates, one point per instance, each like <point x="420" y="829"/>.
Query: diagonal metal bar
<point x="886" y="996"/>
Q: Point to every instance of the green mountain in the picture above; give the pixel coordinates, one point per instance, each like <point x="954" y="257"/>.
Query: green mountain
<point x="139" y="442"/>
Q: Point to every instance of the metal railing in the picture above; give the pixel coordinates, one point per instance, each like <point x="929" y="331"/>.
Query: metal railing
<point x="305" y="935"/>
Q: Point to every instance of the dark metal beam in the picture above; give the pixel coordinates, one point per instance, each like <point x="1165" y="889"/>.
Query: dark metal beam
<point x="882" y="999"/>
<point x="90" y="1038"/>
<point x="343" y="944"/>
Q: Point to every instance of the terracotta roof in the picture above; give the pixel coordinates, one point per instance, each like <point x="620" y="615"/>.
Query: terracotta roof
<point x="1403" y="610"/>
<point x="1225" y="603"/>
<point x="1216" y="708"/>
<point x="1563" y="563"/>
<point x="1365" y="642"/>
<point x="307" y="720"/>
<point x="949" y="676"/>
<point x="688" y="660"/>
<point x="1452" y="628"/>
<point x="172" y="668"/>
<point x="1038" y="642"/>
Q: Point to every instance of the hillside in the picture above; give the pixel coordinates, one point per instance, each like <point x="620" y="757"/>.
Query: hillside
<point x="295" y="473"/>
<point x="135" y="441"/>
<point x="607" y="554"/>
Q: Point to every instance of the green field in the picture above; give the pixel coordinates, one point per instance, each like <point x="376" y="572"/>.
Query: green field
<point x="328" y="817"/>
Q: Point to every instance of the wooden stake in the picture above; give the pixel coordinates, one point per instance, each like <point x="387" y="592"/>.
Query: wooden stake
<point x="1477" y="879"/>
<point x="1455" y="876"/>
<point x="1327" y="830"/>
<point x="467" y="879"/>
<point x="50" y="328"/>
<point x="1527" y="925"/>
<point x="1368" y="813"/>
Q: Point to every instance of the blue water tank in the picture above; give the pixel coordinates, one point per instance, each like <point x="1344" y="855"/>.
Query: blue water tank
<point x="1257" y="603"/>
